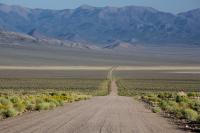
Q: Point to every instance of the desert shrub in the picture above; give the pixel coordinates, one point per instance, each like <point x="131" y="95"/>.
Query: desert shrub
<point x="169" y="109"/>
<point x="165" y="95"/>
<point x="5" y="102"/>
<point x="190" y="114"/>
<point x="10" y="112"/>
<point x="20" y="107"/>
<point x="30" y="106"/>
<point x="54" y="100"/>
<point x="61" y="102"/>
<point x="172" y="103"/>
<point x="39" y="100"/>
<point x="52" y="105"/>
<point x="42" y="106"/>
<point x="179" y="113"/>
<point x="163" y="104"/>
<point x="183" y="105"/>
<point x="156" y="110"/>
<point x="169" y="106"/>
<point x="198" y="118"/>
<point x="181" y="99"/>
<point x="15" y="99"/>
<point x="154" y="99"/>
<point x="192" y="94"/>
<point x="195" y="105"/>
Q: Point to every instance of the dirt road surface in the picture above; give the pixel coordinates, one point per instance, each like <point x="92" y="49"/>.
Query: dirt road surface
<point x="109" y="114"/>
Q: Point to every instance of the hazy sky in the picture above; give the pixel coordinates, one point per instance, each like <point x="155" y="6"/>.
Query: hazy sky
<point x="174" y="6"/>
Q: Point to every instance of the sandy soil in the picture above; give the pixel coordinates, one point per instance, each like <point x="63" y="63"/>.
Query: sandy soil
<point x="77" y="74"/>
<point x="2" y="67"/>
<point x="55" y="68"/>
<point x="109" y="114"/>
<point x="159" y="68"/>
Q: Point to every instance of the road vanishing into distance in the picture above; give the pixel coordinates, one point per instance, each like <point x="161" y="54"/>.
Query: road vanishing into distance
<point x="103" y="114"/>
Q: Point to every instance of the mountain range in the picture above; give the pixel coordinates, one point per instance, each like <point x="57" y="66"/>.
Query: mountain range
<point x="102" y="25"/>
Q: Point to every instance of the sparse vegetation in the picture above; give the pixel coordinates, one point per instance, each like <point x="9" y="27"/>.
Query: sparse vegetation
<point x="95" y="87"/>
<point x="158" y="85"/>
<point x="13" y="105"/>
<point x="21" y="95"/>
<point x="184" y="106"/>
<point x="156" y="109"/>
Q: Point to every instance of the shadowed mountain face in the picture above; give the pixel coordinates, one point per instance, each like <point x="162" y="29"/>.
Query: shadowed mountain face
<point x="104" y="25"/>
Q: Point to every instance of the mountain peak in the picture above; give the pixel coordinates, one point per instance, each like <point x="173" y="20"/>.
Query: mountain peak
<point x="100" y="25"/>
<point x="22" y="11"/>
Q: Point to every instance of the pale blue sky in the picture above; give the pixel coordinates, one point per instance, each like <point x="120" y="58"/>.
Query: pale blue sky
<point x="173" y="6"/>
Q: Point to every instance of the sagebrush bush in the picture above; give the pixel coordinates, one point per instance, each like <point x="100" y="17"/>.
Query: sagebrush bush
<point x="163" y="105"/>
<point x="195" y="105"/>
<point x="39" y="100"/>
<point x="5" y="102"/>
<point x="179" y="113"/>
<point x="183" y="105"/>
<point x="190" y="114"/>
<point x="20" y="107"/>
<point x="181" y="99"/>
<point x="51" y="100"/>
<point x="42" y="106"/>
<point x="156" y="110"/>
<point x="198" y="118"/>
<point x="15" y="99"/>
<point x="61" y="102"/>
<point x="10" y="112"/>
<point x="165" y="95"/>
<point x="30" y="106"/>
<point x="192" y="94"/>
<point x="52" y="105"/>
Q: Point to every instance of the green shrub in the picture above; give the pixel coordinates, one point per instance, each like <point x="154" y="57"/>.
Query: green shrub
<point x="30" y="106"/>
<point x="169" y="106"/>
<point x="56" y="102"/>
<point x="179" y="113"/>
<point x="61" y="102"/>
<point x="39" y="100"/>
<point x="163" y="105"/>
<point x="42" y="106"/>
<point x="156" y="110"/>
<point x="198" y="118"/>
<point x="181" y="99"/>
<point x="20" y="107"/>
<point x="165" y="95"/>
<point x="195" y="105"/>
<point x="11" y="112"/>
<point x="154" y="99"/>
<point x="192" y="94"/>
<point x="5" y="102"/>
<point x="183" y="105"/>
<point x="52" y="105"/>
<point x="190" y="114"/>
<point x="15" y="99"/>
<point x="172" y="103"/>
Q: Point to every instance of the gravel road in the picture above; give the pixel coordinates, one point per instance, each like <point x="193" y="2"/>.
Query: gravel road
<point x="109" y="114"/>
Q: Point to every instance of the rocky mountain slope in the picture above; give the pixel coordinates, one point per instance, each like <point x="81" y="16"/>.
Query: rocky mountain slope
<point x="104" y="25"/>
<point x="20" y="39"/>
